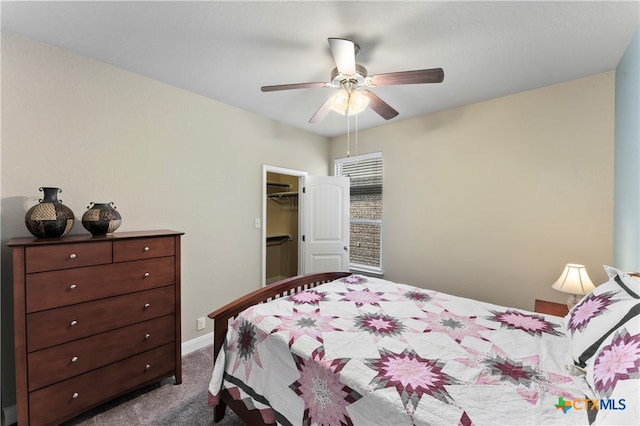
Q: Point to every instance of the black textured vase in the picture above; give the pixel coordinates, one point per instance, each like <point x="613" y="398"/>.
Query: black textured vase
<point x="49" y="218"/>
<point x="101" y="218"/>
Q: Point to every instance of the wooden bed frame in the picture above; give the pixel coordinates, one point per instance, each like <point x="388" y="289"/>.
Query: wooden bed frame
<point x="222" y="316"/>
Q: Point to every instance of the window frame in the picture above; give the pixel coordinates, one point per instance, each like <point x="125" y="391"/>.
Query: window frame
<point x="356" y="267"/>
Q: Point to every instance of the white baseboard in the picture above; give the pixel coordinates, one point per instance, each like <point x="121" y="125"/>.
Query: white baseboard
<point x="9" y="415"/>
<point x="197" y="343"/>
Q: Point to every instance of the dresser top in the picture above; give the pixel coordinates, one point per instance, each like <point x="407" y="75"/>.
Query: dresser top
<point x="33" y="241"/>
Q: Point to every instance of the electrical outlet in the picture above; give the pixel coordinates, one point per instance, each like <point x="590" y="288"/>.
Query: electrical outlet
<point x="200" y="324"/>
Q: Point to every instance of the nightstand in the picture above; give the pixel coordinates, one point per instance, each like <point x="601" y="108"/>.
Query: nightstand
<point x="551" y="308"/>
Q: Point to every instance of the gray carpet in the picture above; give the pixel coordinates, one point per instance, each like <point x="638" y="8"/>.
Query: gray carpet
<point x="164" y="404"/>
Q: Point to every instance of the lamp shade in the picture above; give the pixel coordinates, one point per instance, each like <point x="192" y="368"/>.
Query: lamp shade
<point x="349" y="103"/>
<point x="574" y="280"/>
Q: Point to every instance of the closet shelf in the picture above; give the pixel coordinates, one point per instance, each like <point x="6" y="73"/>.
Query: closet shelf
<point x="277" y="239"/>
<point x="279" y="185"/>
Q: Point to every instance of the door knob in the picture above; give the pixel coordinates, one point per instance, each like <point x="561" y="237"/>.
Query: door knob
<point x="346" y="248"/>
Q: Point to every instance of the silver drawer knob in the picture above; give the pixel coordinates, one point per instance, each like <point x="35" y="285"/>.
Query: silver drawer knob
<point x="75" y="395"/>
<point x="73" y="286"/>
<point x="147" y="336"/>
<point x="148" y="366"/>
<point x="72" y="256"/>
<point x="146" y="305"/>
<point x="72" y="323"/>
<point x="74" y="359"/>
<point x="146" y="274"/>
<point x="146" y="249"/>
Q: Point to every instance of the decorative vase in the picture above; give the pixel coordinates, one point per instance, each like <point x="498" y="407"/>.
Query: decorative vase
<point x="49" y="218"/>
<point x="101" y="218"/>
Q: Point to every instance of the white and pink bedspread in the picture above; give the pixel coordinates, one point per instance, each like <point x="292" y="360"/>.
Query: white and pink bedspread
<point x="367" y="351"/>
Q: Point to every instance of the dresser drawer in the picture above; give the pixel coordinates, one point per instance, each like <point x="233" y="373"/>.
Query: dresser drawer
<point x="143" y="248"/>
<point x="60" y="325"/>
<point x="47" y="290"/>
<point x="64" y="256"/>
<point x="60" y="362"/>
<point x="56" y="403"/>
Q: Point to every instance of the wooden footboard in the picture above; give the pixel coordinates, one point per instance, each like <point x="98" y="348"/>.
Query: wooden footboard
<point x="222" y="316"/>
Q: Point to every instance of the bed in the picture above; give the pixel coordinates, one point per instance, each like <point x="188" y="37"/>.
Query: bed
<point x="341" y="349"/>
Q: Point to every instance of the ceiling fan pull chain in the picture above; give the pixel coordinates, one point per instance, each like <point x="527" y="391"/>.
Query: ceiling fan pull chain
<point x="356" y="132"/>
<point x="348" y="131"/>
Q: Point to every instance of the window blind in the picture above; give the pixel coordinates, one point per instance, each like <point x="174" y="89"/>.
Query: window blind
<point x="365" y="173"/>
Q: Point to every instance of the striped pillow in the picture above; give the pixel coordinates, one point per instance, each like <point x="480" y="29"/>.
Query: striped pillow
<point x="630" y="284"/>
<point x="598" y="315"/>
<point x="613" y="373"/>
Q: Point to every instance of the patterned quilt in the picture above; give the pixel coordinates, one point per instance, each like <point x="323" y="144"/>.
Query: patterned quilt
<point x="367" y="351"/>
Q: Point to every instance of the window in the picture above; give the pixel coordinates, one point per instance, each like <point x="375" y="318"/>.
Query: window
<point x="365" y="172"/>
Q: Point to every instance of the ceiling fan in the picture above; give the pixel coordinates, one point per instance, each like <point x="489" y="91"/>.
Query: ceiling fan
<point x="353" y="82"/>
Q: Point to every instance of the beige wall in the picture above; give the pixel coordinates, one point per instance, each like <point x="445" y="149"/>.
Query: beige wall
<point x="167" y="158"/>
<point x="490" y="200"/>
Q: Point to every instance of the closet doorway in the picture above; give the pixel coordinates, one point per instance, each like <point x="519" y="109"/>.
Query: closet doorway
<point x="282" y="223"/>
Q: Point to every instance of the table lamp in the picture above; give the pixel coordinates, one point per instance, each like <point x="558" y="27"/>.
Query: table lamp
<point x="574" y="280"/>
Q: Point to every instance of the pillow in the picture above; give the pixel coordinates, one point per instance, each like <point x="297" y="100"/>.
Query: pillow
<point x="598" y="315"/>
<point x="625" y="281"/>
<point x="613" y="373"/>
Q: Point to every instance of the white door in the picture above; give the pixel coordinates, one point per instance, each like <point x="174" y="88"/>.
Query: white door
<point x="325" y="232"/>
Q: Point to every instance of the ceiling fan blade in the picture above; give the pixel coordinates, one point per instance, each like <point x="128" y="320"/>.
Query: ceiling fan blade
<point x="433" y="75"/>
<point x="344" y="55"/>
<point x="292" y="86"/>
<point x="383" y="109"/>
<point x="322" y="112"/>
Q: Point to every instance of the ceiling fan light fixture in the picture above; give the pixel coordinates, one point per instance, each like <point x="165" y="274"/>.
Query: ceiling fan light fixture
<point x="346" y="103"/>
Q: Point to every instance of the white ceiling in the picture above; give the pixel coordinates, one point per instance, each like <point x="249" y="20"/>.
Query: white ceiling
<point x="226" y="50"/>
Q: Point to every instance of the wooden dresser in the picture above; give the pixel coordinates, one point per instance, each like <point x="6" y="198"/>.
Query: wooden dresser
<point x="95" y="317"/>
